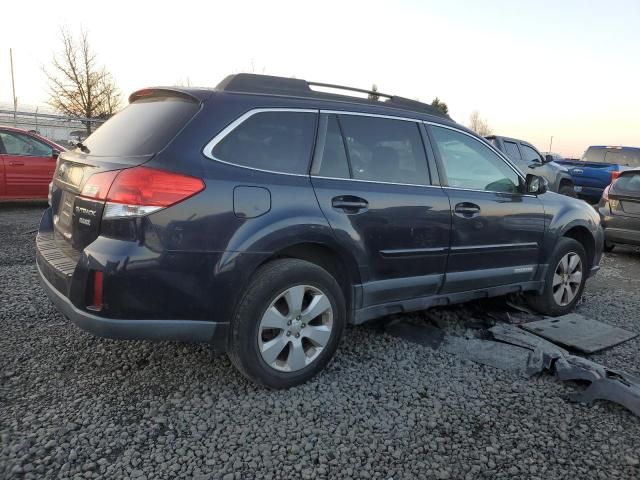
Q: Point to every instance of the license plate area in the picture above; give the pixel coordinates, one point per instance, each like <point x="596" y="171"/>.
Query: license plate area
<point x="86" y="218"/>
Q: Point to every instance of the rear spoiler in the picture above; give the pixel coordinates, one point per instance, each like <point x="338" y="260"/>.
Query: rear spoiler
<point x="162" y="92"/>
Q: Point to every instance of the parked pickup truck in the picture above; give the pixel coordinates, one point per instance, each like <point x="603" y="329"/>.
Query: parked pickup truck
<point x="598" y="167"/>
<point x="529" y="160"/>
<point x="27" y="163"/>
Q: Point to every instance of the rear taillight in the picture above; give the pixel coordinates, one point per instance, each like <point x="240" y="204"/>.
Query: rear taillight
<point x="614" y="175"/>
<point x="605" y="193"/>
<point x="148" y="186"/>
<point x="140" y="190"/>
<point x="99" y="184"/>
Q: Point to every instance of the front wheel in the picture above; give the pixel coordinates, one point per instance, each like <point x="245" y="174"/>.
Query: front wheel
<point x="564" y="281"/>
<point x="288" y="324"/>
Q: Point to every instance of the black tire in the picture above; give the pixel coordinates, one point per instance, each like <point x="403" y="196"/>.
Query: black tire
<point x="608" y="247"/>
<point x="545" y="302"/>
<point x="268" y="283"/>
<point x="568" y="191"/>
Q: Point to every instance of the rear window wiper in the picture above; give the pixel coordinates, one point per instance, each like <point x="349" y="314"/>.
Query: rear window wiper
<point x="83" y="147"/>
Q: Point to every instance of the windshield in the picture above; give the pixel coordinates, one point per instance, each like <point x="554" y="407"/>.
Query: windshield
<point x="144" y="127"/>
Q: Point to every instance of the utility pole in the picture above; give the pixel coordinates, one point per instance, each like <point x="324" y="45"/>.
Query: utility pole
<point x="13" y="85"/>
<point x="550" y="143"/>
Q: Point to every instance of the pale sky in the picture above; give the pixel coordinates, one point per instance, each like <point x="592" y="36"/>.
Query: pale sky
<point x="567" y="68"/>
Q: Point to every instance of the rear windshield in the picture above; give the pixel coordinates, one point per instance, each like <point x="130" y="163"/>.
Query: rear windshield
<point x="628" y="183"/>
<point x="613" y="156"/>
<point x="144" y="127"/>
<point x="627" y="157"/>
<point x="593" y="154"/>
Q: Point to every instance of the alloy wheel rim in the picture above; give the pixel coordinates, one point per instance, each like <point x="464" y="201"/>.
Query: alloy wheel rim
<point x="295" y="328"/>
<point x="567" y="279"/>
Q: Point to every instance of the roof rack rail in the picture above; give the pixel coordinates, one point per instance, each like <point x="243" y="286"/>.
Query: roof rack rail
<point x="351" y="89"/>
<point x="272" y="85"/>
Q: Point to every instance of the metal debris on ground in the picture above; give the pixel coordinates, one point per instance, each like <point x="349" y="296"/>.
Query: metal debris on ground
<point x="518" y="304"/>
<point x="514" y="349"/>
<point x="606" y="384"/>
<point x="486" y="352"/>
<point x="579" y="333"/>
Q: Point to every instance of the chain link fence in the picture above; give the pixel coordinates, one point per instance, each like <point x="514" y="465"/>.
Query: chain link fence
<point x="63" y="130"/>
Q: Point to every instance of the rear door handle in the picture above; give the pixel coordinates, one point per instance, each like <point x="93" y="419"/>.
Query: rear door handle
<point x="350" y="204"/>
<point x="467" y="210"/>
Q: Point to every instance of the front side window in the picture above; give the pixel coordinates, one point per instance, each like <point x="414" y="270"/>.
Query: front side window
<point x="384" y="150"/>
<point x="470" y="164"/>
<point x="277" y="141"/>
<point x="512" y="151"/>
<point x="24" y="145"/>
<point x="530" y="155"/>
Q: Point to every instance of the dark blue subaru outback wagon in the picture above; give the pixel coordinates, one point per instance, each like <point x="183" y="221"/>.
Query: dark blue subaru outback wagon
<point x="262" y="216"/>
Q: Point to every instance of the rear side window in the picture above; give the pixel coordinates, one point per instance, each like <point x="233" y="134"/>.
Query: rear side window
<point x="144" y="127"/>
<point x="529" y="154"/>
<point x="277" y="141"/>
<point x="512" y="150"/>
<point x="384" y="150"/>
<point x="628" y="183"/>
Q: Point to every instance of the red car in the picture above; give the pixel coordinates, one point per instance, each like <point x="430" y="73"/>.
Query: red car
<point x="27" y="163"/>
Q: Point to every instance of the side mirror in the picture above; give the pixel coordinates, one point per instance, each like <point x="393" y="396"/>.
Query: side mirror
<point x="548" y="158"/>
<point x="55" y="154"/>
<point x="536" y="185"/>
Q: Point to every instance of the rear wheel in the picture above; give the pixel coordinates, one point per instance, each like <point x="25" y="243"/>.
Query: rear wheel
<point x="564" y="281"/>
<point x="567" y="190"/>
<point x="288" y="324"/>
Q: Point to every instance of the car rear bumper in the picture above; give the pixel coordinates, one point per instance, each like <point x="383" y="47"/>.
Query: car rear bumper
<point x="123" y="329"/>
<point x="621" y="235"/>
<point x="145" y="311"/>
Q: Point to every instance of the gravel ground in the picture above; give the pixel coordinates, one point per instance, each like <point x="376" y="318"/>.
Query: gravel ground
<point x="76" y="406"/>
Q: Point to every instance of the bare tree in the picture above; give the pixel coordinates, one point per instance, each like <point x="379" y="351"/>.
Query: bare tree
<point x="373" y="95"/>
<point x="184" y="83"/>
<point x="78" y="87"/>
<point x="479" y="124"/>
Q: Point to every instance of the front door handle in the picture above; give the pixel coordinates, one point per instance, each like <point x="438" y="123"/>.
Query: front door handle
<point x="350" y="204"/>
<point x="467" y="210"/>
<point x="15" y="162"/>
